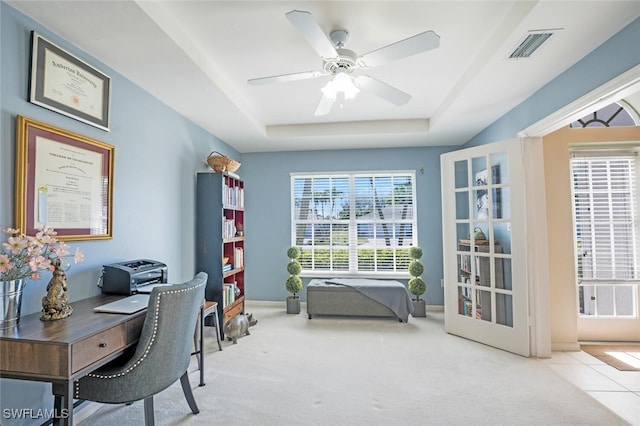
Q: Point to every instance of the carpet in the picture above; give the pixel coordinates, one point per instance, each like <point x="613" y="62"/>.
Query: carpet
<point x="335" y="371"/>
<point x="622" y="357"/>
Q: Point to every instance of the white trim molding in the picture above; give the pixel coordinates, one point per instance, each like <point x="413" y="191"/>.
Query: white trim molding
<point x="622" y="86"/>
<point x="537" y="261"/>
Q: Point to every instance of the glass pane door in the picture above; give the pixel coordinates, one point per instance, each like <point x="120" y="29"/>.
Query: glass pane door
<point x="480" y="297"/>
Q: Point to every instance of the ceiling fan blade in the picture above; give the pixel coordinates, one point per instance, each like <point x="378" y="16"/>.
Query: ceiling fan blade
<point x="311" y="31"/>
<point x="410" y="46"/>
<point x="285" y="78"/>
<point x="391" y="94"/>
<point x="325" y="104"/>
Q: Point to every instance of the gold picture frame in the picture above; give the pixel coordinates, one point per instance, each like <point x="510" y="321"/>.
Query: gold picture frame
<point x="64" y="181"/>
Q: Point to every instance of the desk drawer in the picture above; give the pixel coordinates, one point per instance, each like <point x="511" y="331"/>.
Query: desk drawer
<point x="94" y="348"/>
<point x="134" y="328"/>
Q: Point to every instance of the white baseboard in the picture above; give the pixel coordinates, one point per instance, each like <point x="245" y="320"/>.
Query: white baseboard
<point x="277" y="304"/>
<point x="565" y="346"/>
<point x="267" y="303"/>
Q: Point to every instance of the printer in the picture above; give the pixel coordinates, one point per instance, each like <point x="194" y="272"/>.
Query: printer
<point x="131" y="276"/>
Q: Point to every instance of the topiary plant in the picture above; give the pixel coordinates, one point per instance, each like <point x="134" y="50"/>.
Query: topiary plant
<point x="416" y="285"/>
<point x="415" y="268"/>
<point x="415" y="252"/>
<point x="294" y="283"/>
<point x="294" y="267"/>
<point x="293" y="252"/>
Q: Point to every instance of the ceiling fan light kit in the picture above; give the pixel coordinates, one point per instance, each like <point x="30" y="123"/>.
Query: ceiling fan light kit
<point x="343" y="63"/>
<point x="343" y="83"/>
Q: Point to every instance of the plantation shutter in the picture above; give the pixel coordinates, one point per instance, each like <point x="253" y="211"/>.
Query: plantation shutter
<point x="354" y="223"/>
<point x="605" y="213"/>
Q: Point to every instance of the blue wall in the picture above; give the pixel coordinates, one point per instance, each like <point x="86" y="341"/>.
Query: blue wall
<point x="614" y="57"/>
<point x="268" y="209"/>
<point x="157" y="153"/>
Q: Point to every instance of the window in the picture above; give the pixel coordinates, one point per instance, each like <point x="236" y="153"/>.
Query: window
<point x="606" y="232"/>
<point x="616" y="114"/>
<point x="354" y="223"/>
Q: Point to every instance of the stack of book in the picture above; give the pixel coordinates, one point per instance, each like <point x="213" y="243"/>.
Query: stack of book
<point x="228" y="294"/>
<point x="233" y="196"/>
<point x="226" y="267"/>
<point x="228" y="228"/>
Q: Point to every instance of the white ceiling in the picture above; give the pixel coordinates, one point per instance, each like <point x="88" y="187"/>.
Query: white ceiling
<point x="196" y="56"/>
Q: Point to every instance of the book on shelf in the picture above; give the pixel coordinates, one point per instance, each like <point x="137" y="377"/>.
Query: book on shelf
<point x="228" y="228"/>
<point x="233" y="196"/>
<point x="227" y="267"/>
<point x="467" y="308"/>
<point x="228" y="294"/>
<point x="238" y="257"/>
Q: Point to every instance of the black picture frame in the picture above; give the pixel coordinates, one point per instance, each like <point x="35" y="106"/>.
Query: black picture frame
<point x="65" y="84"/>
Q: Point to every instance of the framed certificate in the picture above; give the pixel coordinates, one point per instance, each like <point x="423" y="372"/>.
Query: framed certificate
<point x="65" y="84"/>
<point x="63" y="181"/>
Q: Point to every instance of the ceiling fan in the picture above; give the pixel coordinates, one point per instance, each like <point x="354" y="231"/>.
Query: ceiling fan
<point x="341" y="63"/>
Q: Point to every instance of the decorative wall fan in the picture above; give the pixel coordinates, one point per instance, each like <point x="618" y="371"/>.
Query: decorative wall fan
<point x="341" y="63"/>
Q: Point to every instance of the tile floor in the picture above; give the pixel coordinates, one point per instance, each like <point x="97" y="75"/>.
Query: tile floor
<point x="617" y="390"/>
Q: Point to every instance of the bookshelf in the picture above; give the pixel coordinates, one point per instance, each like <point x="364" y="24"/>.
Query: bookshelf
<point x="220" y="240"/>
<point x="480" y="282"/>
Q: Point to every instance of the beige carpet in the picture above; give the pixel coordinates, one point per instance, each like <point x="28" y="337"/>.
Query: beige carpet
<point x="622" y="357"/>
<point x="337" y="371"/>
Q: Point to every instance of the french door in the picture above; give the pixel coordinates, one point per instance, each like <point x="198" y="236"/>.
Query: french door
<point x="605" y="218"/>
<point x="484" y="249"/>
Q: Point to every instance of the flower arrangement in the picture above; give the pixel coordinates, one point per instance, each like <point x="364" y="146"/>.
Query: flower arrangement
<point x="23" y="256"/>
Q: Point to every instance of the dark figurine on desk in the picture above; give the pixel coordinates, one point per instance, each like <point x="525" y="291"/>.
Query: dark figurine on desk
<point x="55" y="305"/>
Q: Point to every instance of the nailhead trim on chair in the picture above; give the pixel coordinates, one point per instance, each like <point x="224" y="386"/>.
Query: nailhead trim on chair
<point x="148" y="348"/>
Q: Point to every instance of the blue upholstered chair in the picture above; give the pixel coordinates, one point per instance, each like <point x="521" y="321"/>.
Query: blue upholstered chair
<point x="161" y="357"/>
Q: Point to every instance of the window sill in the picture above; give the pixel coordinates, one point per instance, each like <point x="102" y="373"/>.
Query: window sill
<point x="370" y="275"/>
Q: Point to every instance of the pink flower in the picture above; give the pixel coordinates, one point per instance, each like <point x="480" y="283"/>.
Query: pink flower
<point x="39" y="262"/>
<point x="15" y="244"/>
<point x="43" y="239"/>
<point x="49" y="231"/>
<point x="24" y="256"/>
<point x="34" y="250"/>
<point x="78" y="256"/>
<point x="11" y="231"/>
<point x="62" y="250"/>
<point x="5" y="263"/>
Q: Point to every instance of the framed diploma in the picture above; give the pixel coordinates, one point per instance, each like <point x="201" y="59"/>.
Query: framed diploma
<point x="65" y="84"/>
<point x="63" y="181"/>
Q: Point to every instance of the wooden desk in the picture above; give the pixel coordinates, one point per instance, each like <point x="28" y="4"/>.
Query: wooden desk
<point x="62" y="351"/>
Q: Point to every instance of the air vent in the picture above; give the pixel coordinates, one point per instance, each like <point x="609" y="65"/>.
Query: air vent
<point x="532" y="42"/>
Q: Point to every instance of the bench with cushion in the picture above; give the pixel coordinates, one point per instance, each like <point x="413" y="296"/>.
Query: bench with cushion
<point x="339" y="297"/>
